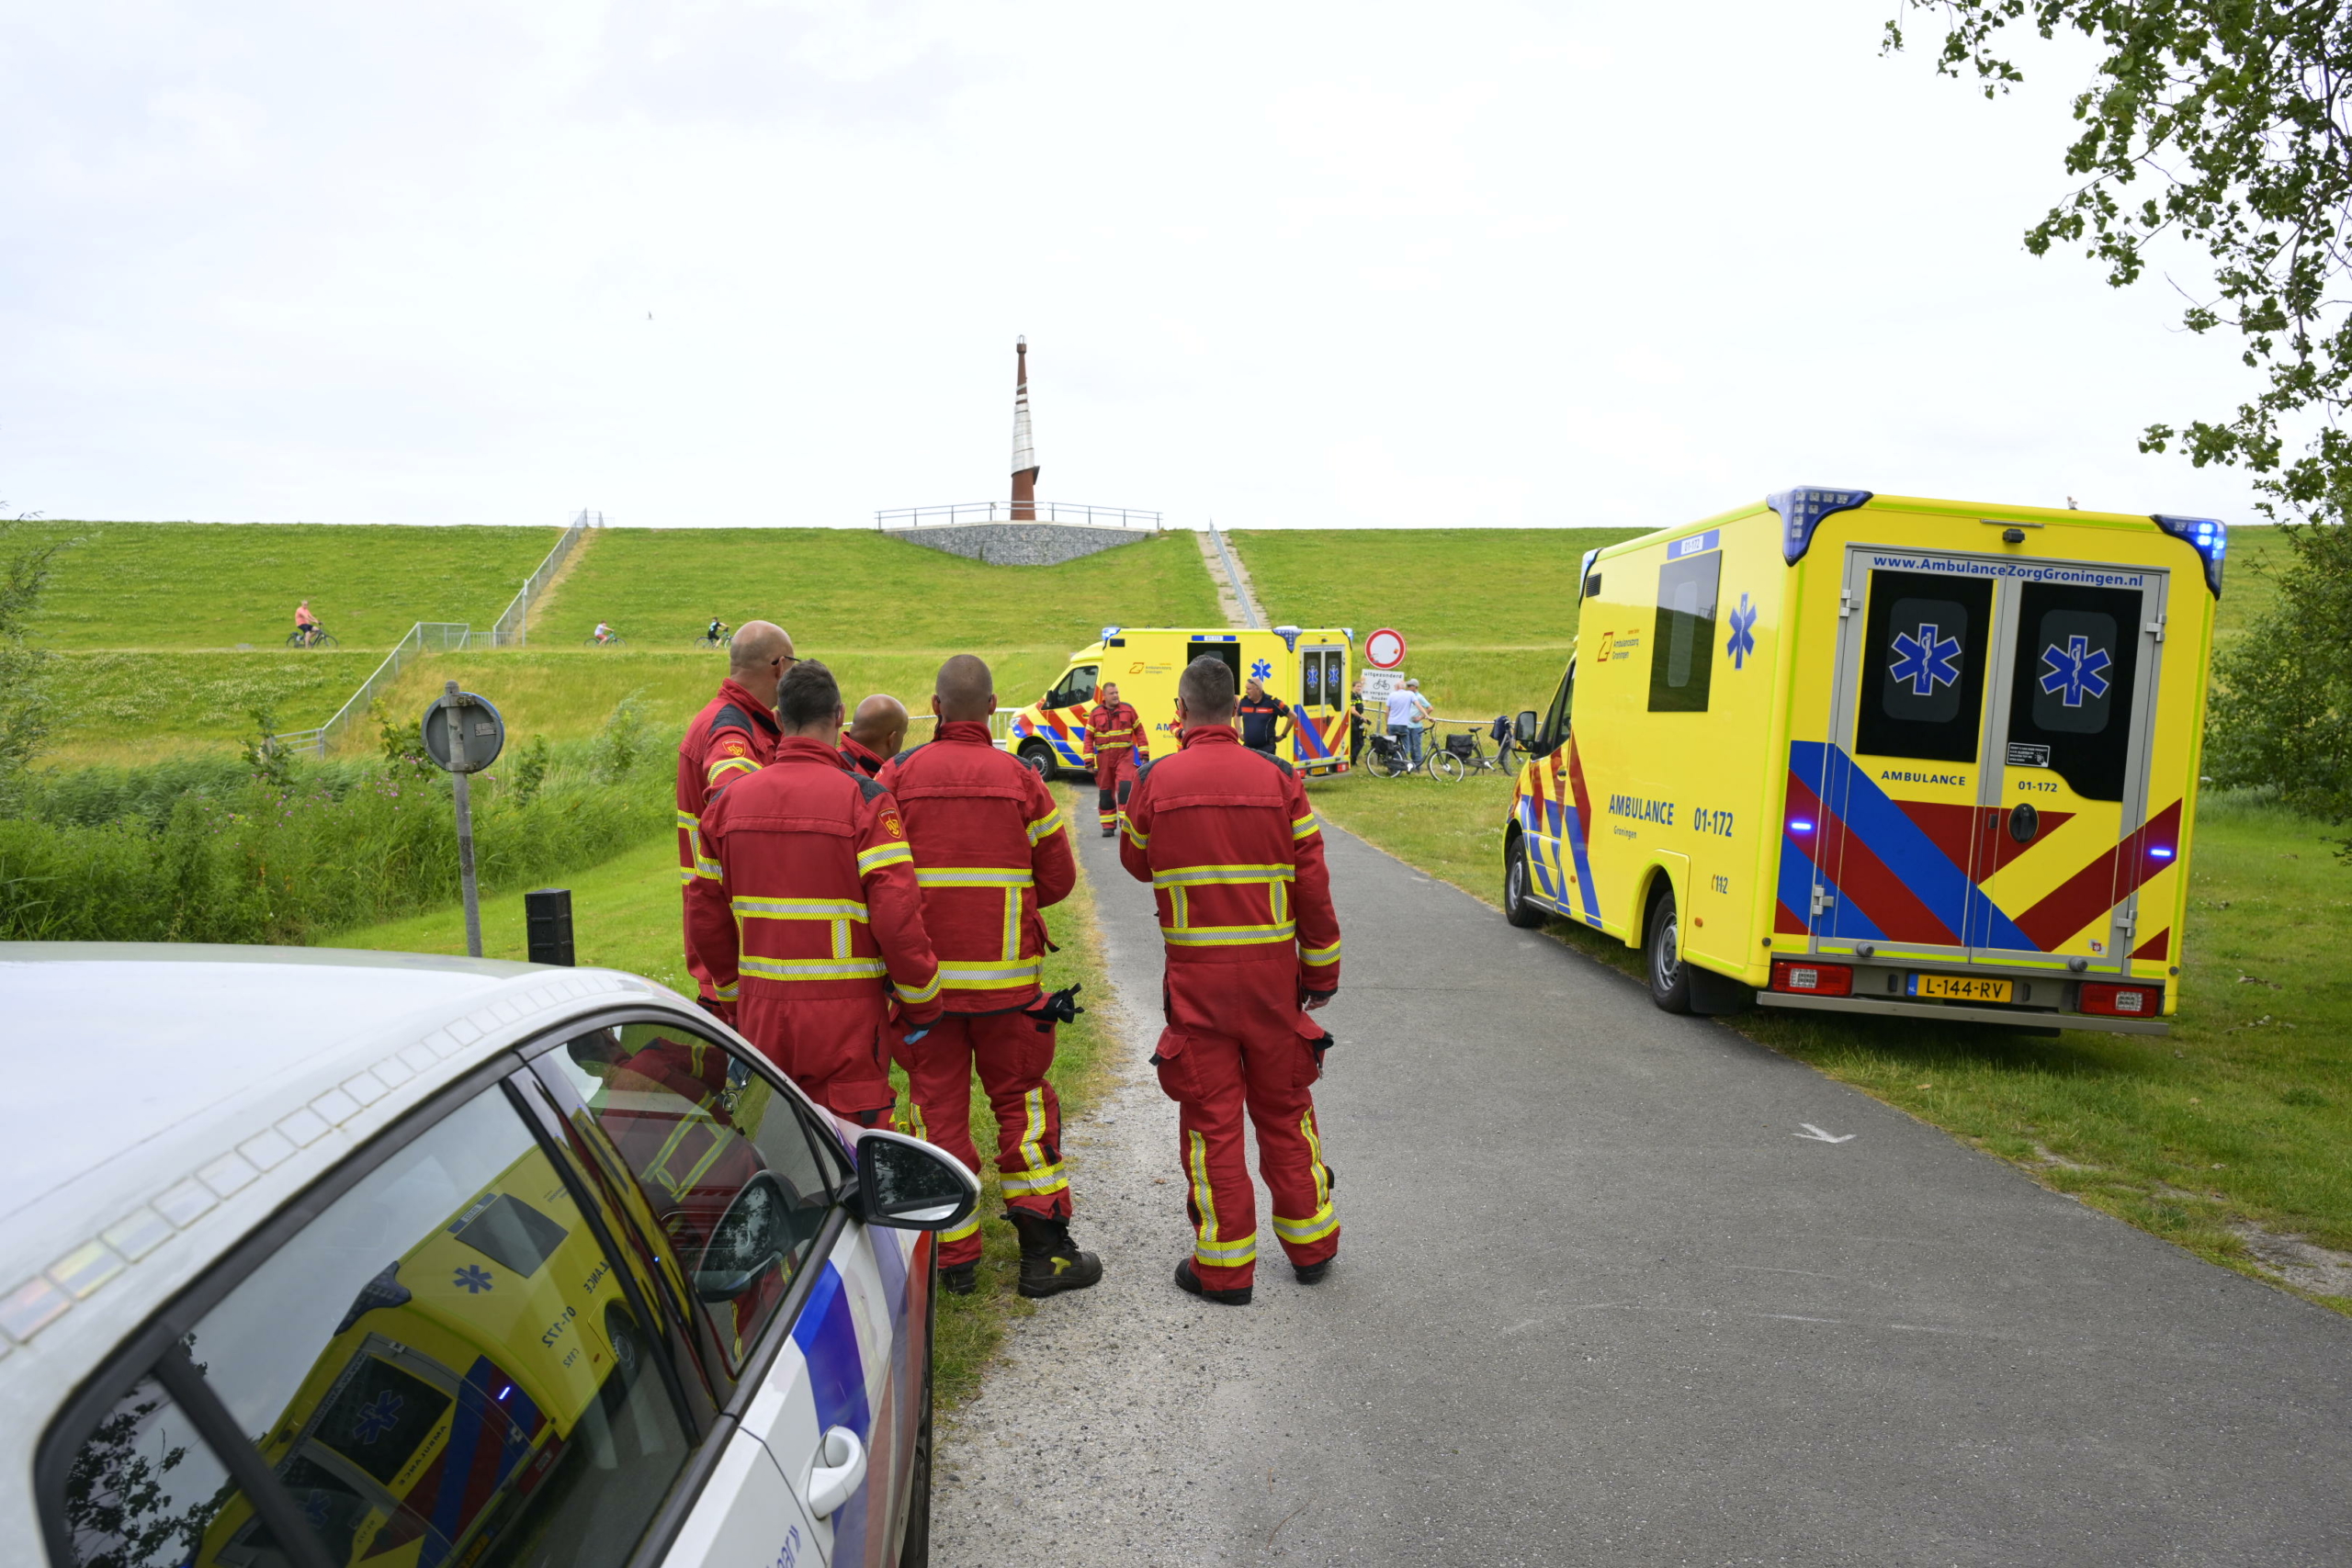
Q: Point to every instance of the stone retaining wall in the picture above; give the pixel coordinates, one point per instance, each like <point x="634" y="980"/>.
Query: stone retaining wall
<point x="1018" y="543"/>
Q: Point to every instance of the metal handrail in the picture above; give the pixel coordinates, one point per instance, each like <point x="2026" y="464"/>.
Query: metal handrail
<point x="1001" y="512"/>
<point x="445" y="634"/>
<point x="512" y="626"/>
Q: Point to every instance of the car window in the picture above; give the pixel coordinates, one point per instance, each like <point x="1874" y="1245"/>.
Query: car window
<point x="442" y="1365"/>
<point x="1077" y="686"/>
<point x="144" y="1491"/>
<point x="720" y="1159"/>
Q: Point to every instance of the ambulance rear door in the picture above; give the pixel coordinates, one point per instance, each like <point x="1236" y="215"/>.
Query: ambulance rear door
<point x="1318" y="738"/>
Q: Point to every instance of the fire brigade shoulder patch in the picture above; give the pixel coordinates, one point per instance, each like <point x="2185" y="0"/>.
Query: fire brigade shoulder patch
<point x="735" y="749"/>
<point x="892" y="825"/>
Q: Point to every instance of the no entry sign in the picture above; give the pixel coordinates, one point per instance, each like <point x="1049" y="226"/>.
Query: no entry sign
<point x="1383" y="649"/>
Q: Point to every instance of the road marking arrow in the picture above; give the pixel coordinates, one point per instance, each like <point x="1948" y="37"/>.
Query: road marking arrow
<point x="1818" y="1136"/>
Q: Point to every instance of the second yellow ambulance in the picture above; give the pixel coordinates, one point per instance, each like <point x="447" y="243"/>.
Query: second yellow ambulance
<point x="1875" y="753"/>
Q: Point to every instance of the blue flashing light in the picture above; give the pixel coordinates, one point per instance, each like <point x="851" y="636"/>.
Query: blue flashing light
<point x="1802" y="511"/>
<point x="2209" y="537"/>
<point x="1584" y="570"/>
<point x="2159" y="853"/>
<point x="1110" y="632"/>
<point x="1799" y="825"/>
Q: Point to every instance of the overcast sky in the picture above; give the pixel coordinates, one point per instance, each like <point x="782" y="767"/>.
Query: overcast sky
<point x="1280" y="264"/>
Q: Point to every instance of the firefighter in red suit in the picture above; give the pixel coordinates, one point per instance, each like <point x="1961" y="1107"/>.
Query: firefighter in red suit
<point x="991" y="850"/>
<point x="876" y="732"/>
<point x="1234" y="859"/>
<point x="1115" y="733"/>
<point x="733" y="734"/>
<point x="810" y="903"/>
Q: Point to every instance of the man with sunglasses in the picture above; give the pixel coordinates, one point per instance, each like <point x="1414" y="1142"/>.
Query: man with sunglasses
<point x="736" y="733"/>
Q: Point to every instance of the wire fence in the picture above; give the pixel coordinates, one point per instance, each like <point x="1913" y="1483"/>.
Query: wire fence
<point x="512" y="627"/>
<point x="425" y="636"/>
<point x="1001" y="512"/>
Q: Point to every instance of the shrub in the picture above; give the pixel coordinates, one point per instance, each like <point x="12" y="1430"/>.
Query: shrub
<point x="2282" y="705"/>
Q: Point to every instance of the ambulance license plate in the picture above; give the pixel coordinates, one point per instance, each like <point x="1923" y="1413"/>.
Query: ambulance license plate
<point x="1960" y="987"/>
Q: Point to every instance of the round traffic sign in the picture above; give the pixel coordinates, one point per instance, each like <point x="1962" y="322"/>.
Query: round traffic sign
<point x="480" y="733"/>
<point x="1383" y="649"/>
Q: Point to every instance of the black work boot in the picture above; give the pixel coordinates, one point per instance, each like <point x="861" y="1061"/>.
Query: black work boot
<point x="1312" y="1273"/>
<point x="1190" y="1283"/>
<point x="960" y="1278"/>
<point x="1050" y="1262"/>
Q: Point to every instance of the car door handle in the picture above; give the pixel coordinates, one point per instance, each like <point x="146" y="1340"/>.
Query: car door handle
<point x="843" y="1471"/>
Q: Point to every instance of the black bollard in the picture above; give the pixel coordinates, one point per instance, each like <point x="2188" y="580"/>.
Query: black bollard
<point x="548" y="913"/>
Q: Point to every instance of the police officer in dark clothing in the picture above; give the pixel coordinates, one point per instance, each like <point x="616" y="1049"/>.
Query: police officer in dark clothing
<point x="1259" y="714"/>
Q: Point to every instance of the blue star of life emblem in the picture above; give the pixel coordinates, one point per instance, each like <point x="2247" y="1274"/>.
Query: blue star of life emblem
<point x="378" y="1417"/>
<point x="474" y="1278"/>
<point x="1926" y="661"/>
<point x="1743" y="634"/>
<point x="1260" y="671"/>
<point x="2076" y="669"/>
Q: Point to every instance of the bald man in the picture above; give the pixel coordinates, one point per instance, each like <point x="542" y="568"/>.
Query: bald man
<point x="876" y="732"/>
<point x="992" y="850"/>
<point x="735" y="734"/>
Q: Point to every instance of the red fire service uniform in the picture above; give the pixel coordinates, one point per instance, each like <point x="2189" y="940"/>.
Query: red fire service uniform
<point x="864" y="761"/>
<point x="1115" y="732"/>
<point x="1235" y="858"/>
<point x="809" y="905"/>
<point x="990" y="851"/>
<point x="733" y="734"/>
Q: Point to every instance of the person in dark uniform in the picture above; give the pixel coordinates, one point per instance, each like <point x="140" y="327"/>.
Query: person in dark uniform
<point x="1259" y="714"/>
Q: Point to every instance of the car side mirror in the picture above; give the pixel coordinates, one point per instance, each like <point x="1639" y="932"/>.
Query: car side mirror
<point x="1523" y="729"/>
<point x="751" y="1240"/>
<point x="1047" y="700"/>
<point x="906" y="1184"/>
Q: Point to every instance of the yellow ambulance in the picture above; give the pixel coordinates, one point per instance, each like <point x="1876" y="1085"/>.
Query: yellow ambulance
<point x="1880" y="754"/>
<point x="1307" y="670"/>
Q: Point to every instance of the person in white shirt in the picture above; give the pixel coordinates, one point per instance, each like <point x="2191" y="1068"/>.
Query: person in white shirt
<point x="1407" y="711"/>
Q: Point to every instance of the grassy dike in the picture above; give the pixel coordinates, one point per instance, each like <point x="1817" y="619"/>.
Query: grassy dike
<point x="624" y="916"/>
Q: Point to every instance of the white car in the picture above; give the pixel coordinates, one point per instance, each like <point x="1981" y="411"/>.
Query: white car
<point x="311" y="1258"/>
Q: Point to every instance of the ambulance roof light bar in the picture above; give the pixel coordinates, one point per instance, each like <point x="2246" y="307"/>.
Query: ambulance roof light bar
<point x="2209" y="537"/>
<point x="1802" y="509"/>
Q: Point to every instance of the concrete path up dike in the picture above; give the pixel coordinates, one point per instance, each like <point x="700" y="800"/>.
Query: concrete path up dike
<point x="1603" y="1300"/>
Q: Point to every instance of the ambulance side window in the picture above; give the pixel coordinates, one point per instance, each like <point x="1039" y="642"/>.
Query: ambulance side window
<point x="722" y="1164"/>
<point x="1682" y="644"/>
<point x="443" y="1349"/>
<point x="1554" y="733"/>
<point x="2077" y="657"/>
<point x="1077" y="686"/>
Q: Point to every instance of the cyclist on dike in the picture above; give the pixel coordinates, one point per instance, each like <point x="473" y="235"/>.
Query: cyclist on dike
<point x="1115" y="732"/>
<point x="306" y="625"/>
<point x="991" y="852"/>
<point x="735" y="734"/>
<point x="811" y="906"/>
<point x="1235" y="860"/>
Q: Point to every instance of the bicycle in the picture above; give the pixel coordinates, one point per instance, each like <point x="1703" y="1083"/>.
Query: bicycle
<point x="1386" y="757"/>
<point x="1475" y="758"/>
<point x="610" y="639"/>
<point x="724" y="639"/>
<point x="312" y="637"/>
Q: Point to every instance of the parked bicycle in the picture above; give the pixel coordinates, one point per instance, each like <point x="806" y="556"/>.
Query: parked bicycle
<point x="1469" y="745"/>
<point x="1388" y="757"/>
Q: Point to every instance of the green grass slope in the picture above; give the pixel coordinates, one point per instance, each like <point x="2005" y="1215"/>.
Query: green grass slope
<point x="213" y="585"/>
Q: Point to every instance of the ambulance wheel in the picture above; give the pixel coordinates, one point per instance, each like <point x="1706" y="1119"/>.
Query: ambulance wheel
<point x="1669" y="978"/>
<point x="1519" y="882"/>
<point x="1039" y="758"/>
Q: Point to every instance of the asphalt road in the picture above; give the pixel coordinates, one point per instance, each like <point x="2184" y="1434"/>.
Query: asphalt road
<point x="1600" y="1301"/>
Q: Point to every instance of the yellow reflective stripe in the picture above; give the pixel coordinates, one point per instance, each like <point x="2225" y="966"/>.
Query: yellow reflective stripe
<point x="987" y="977"/>
<point x="752" y="909"/>
<point x="709" y="869"/>
<point x="728" y="993"/>
<point x="1302" y="826"/>
<point x="1227" y="1254"/>
<point x="919" y="996"/>
<point x="970" y="1227"/>
<point x="685" y="874"/>
<point x="730" y="765"/>
<point x="1011" y="948"/>
<point x="1142" y="840"/>
<point x="1035" y="1183"/>
<point x="1315" y="1152"/>
<point x="973" y="876"/>
<point x="880" y="855"/>
<point x="688" y="821"/>
<point x="1320" y="954"/>
<point x="1203" y="1196"/>
<point x="812" y="968"/>
<point x="1325" y="1222"/>
<point x="1228" y="936"/>
<point x="1198" y="875"/>
<point x="1052" y="822"/>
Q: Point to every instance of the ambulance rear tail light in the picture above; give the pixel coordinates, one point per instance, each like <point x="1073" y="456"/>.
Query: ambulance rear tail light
<point x="2122" y="1001"/>
<point x="1812" y="979"/>
<point x="2209" y="537"/>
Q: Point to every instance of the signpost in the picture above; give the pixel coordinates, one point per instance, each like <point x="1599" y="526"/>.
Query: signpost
<point x="464" y="734"/>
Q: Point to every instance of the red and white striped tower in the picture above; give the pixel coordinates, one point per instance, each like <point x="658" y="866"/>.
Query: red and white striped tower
<point x="1024" y="452"/>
